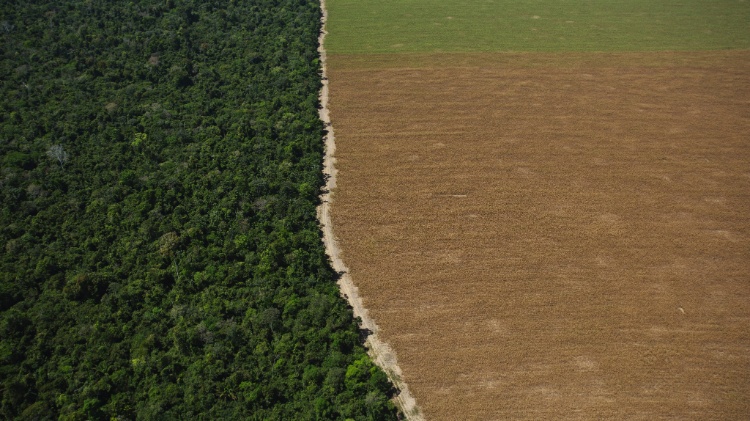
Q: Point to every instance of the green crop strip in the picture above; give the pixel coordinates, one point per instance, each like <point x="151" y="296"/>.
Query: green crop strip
<point x="394" y="26"/>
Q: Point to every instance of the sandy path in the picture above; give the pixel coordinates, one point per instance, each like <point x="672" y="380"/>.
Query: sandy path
<point x="378" y="350"/>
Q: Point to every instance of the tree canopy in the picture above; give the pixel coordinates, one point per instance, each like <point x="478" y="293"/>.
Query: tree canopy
<point x="160" y="165"/>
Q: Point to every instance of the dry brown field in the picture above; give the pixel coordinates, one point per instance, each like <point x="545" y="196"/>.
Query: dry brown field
<point x="552" y="236"/>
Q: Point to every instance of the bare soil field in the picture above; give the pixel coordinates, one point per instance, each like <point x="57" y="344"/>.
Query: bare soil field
<point x="552" y="236"/>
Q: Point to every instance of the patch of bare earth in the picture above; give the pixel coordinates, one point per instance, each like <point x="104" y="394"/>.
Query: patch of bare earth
<point x="552" y="236"/>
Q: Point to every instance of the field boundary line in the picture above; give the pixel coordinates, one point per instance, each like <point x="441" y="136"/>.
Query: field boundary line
<point x="380" y="352"/>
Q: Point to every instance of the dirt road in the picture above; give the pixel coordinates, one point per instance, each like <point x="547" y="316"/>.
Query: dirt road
<point x="378" y="350"/>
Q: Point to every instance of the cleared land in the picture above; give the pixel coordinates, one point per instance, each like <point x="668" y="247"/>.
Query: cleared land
<point x="547" y="213"/>
<point x="552" y="236"/>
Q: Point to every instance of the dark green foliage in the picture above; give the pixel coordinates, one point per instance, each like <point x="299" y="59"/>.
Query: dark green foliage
<point x="172" y="268"/>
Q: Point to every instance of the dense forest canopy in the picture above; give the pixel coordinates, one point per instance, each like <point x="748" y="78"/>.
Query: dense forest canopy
<point x="160" y="164"/>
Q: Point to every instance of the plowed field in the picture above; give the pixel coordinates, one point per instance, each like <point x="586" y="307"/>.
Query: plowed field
<point x="552" y="236"/>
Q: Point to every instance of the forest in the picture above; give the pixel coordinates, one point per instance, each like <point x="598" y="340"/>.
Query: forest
<point x="160" y="167"/>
